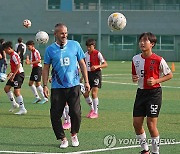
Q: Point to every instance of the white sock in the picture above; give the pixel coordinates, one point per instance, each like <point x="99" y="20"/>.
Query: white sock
<point x="11" y="97"/>
<point x="34" y="90"/>
<point x="64" y="116"/>
<point x="143" y="142"/>
<point x="20" y="102"/>
<point x="66" y="108"/>
<point x="155" y="144"/>
<point x="40" y="88"/>
<point x="95" y="104"/>
<point x="89" y="102"/>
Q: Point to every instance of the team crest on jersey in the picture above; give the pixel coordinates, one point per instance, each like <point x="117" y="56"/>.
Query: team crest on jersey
<point x="137" y="63"/>
<point x="153" y="62"/>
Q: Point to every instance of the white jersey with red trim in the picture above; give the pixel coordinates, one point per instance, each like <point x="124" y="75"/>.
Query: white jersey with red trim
<point x="95" y="58"/>
<point x="14" y="61"/>
<point x="35" y="55"/>
<point x="153" y="66"/>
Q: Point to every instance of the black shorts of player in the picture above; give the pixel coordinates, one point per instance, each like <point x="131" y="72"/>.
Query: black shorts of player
<point x="18" y="81"/>
<point x="147" y="102"/>
<point x="59" y="98"/>
<point x="36" y="74"/>
<point x="95" y="79"/>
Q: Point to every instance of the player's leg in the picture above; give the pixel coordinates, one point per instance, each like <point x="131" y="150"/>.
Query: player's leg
<point x="67" y="121"/>
<point x="89" y="102"/>
<point x="40" y="89"/>
<point x="152" y="127"/>
<point x="34" y="91"/>
<point x="139" y="112"/>
<point x="18" y="81"/>
<point x="58" y="101"/>
<point x="10" y="95"/>
<point x="74" y="112"/>
<point x="19" y="98"/>
<point x="95" y="100"/>
<point x="140" y="134"/>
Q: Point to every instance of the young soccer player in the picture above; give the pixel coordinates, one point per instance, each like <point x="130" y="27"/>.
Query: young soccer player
<point x="149" y="70"/>
<point x="94" y="63"/>
<point x="36" y="73"/>
<point x="16" y="78"/>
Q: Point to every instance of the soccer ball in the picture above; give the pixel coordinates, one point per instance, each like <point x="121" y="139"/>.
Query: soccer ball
<point x="3" y="77"/>
<point x="42" y="37"/>
<point x="117" y="21"/>
<point x="27" y="23"/>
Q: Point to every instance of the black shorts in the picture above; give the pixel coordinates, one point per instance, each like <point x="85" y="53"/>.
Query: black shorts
<point x="18" y="81"/>
<point x="36" y="74"/>
<point x="95" y="79"/>
<point x="147" y="102"/>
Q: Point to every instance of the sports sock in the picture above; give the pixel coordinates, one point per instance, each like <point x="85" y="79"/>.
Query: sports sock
<point x="143" y="142"/>
<point x="40" y="88"/>
<point x="11" y="97"/>
<point x="90" y="102"/>
<point x="34" y="90"/>
<point x="95" y="104"/>
<point x="20" y="102"/>
<point x="66" y="108"/>
<point x="155" y="144"/>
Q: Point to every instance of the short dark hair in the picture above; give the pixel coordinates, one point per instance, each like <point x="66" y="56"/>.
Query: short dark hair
<point x="1" y="41"/>
<point x="6" y="45"/>
<point x="30" y="42"/>
<point x="90" y="42"/>
<point x="150" y="36"/>
<point x="20" y="40"/>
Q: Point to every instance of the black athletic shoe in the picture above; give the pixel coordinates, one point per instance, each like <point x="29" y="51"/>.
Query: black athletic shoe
<point x="145" y="152"/>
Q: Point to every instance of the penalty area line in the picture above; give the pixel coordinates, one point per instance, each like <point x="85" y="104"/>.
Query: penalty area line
<point x="88" y="151"/>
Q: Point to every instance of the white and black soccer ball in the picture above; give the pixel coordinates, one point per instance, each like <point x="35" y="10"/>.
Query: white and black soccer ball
<point x="3" y="77"/>
<point x="42" y="37"/>
<point x="27" y="23"/>
<point x="117" y="21"/>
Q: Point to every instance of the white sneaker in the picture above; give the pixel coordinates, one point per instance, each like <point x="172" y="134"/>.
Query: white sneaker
<point x="64" y="144"/>
<point x="21" y="111"/>
<point x="43" y="101"/>
<point x="15" y="106"/>
<point x="75" y="142"/>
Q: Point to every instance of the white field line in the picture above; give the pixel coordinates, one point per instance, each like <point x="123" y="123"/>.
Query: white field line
<point x="88" y="151"/>
<point x="136" y="84"/>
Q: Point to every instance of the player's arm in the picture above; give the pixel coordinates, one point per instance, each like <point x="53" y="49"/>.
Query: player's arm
<point x="45" y="77"/>
<point x="151" y="81"/>
<point x="84" y="74"/>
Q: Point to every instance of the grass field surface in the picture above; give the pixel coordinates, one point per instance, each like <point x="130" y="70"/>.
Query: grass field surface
<point x="32" y="133"/>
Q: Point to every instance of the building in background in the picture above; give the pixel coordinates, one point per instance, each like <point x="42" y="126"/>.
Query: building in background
<point x="161" y="17"/>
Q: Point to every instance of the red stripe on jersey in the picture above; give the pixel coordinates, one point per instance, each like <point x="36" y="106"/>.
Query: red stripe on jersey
<point x="133" y="69"/>
<point x="94" y="59"/>
<point x="151" y="69"/>
<point x="35" y="55"/>
<point x="14" y="61"/>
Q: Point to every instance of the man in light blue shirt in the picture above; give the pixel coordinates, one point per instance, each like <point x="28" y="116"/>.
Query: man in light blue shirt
<point x="64" y="56"/>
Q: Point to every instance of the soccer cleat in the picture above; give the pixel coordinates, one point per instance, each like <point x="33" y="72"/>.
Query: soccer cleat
<point x="21" y="112"/>
<point x="66" y="126"/>
<point x="43" y="101"/>
<point x="93" y="116"/>
<point x="36" y="100"/>
<point x="64" y="144"/>
<point x="90" y="113"/>
<point x="15" y="106"/>
<point x="75" y="142"/>
<point x="145" y="152"/>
